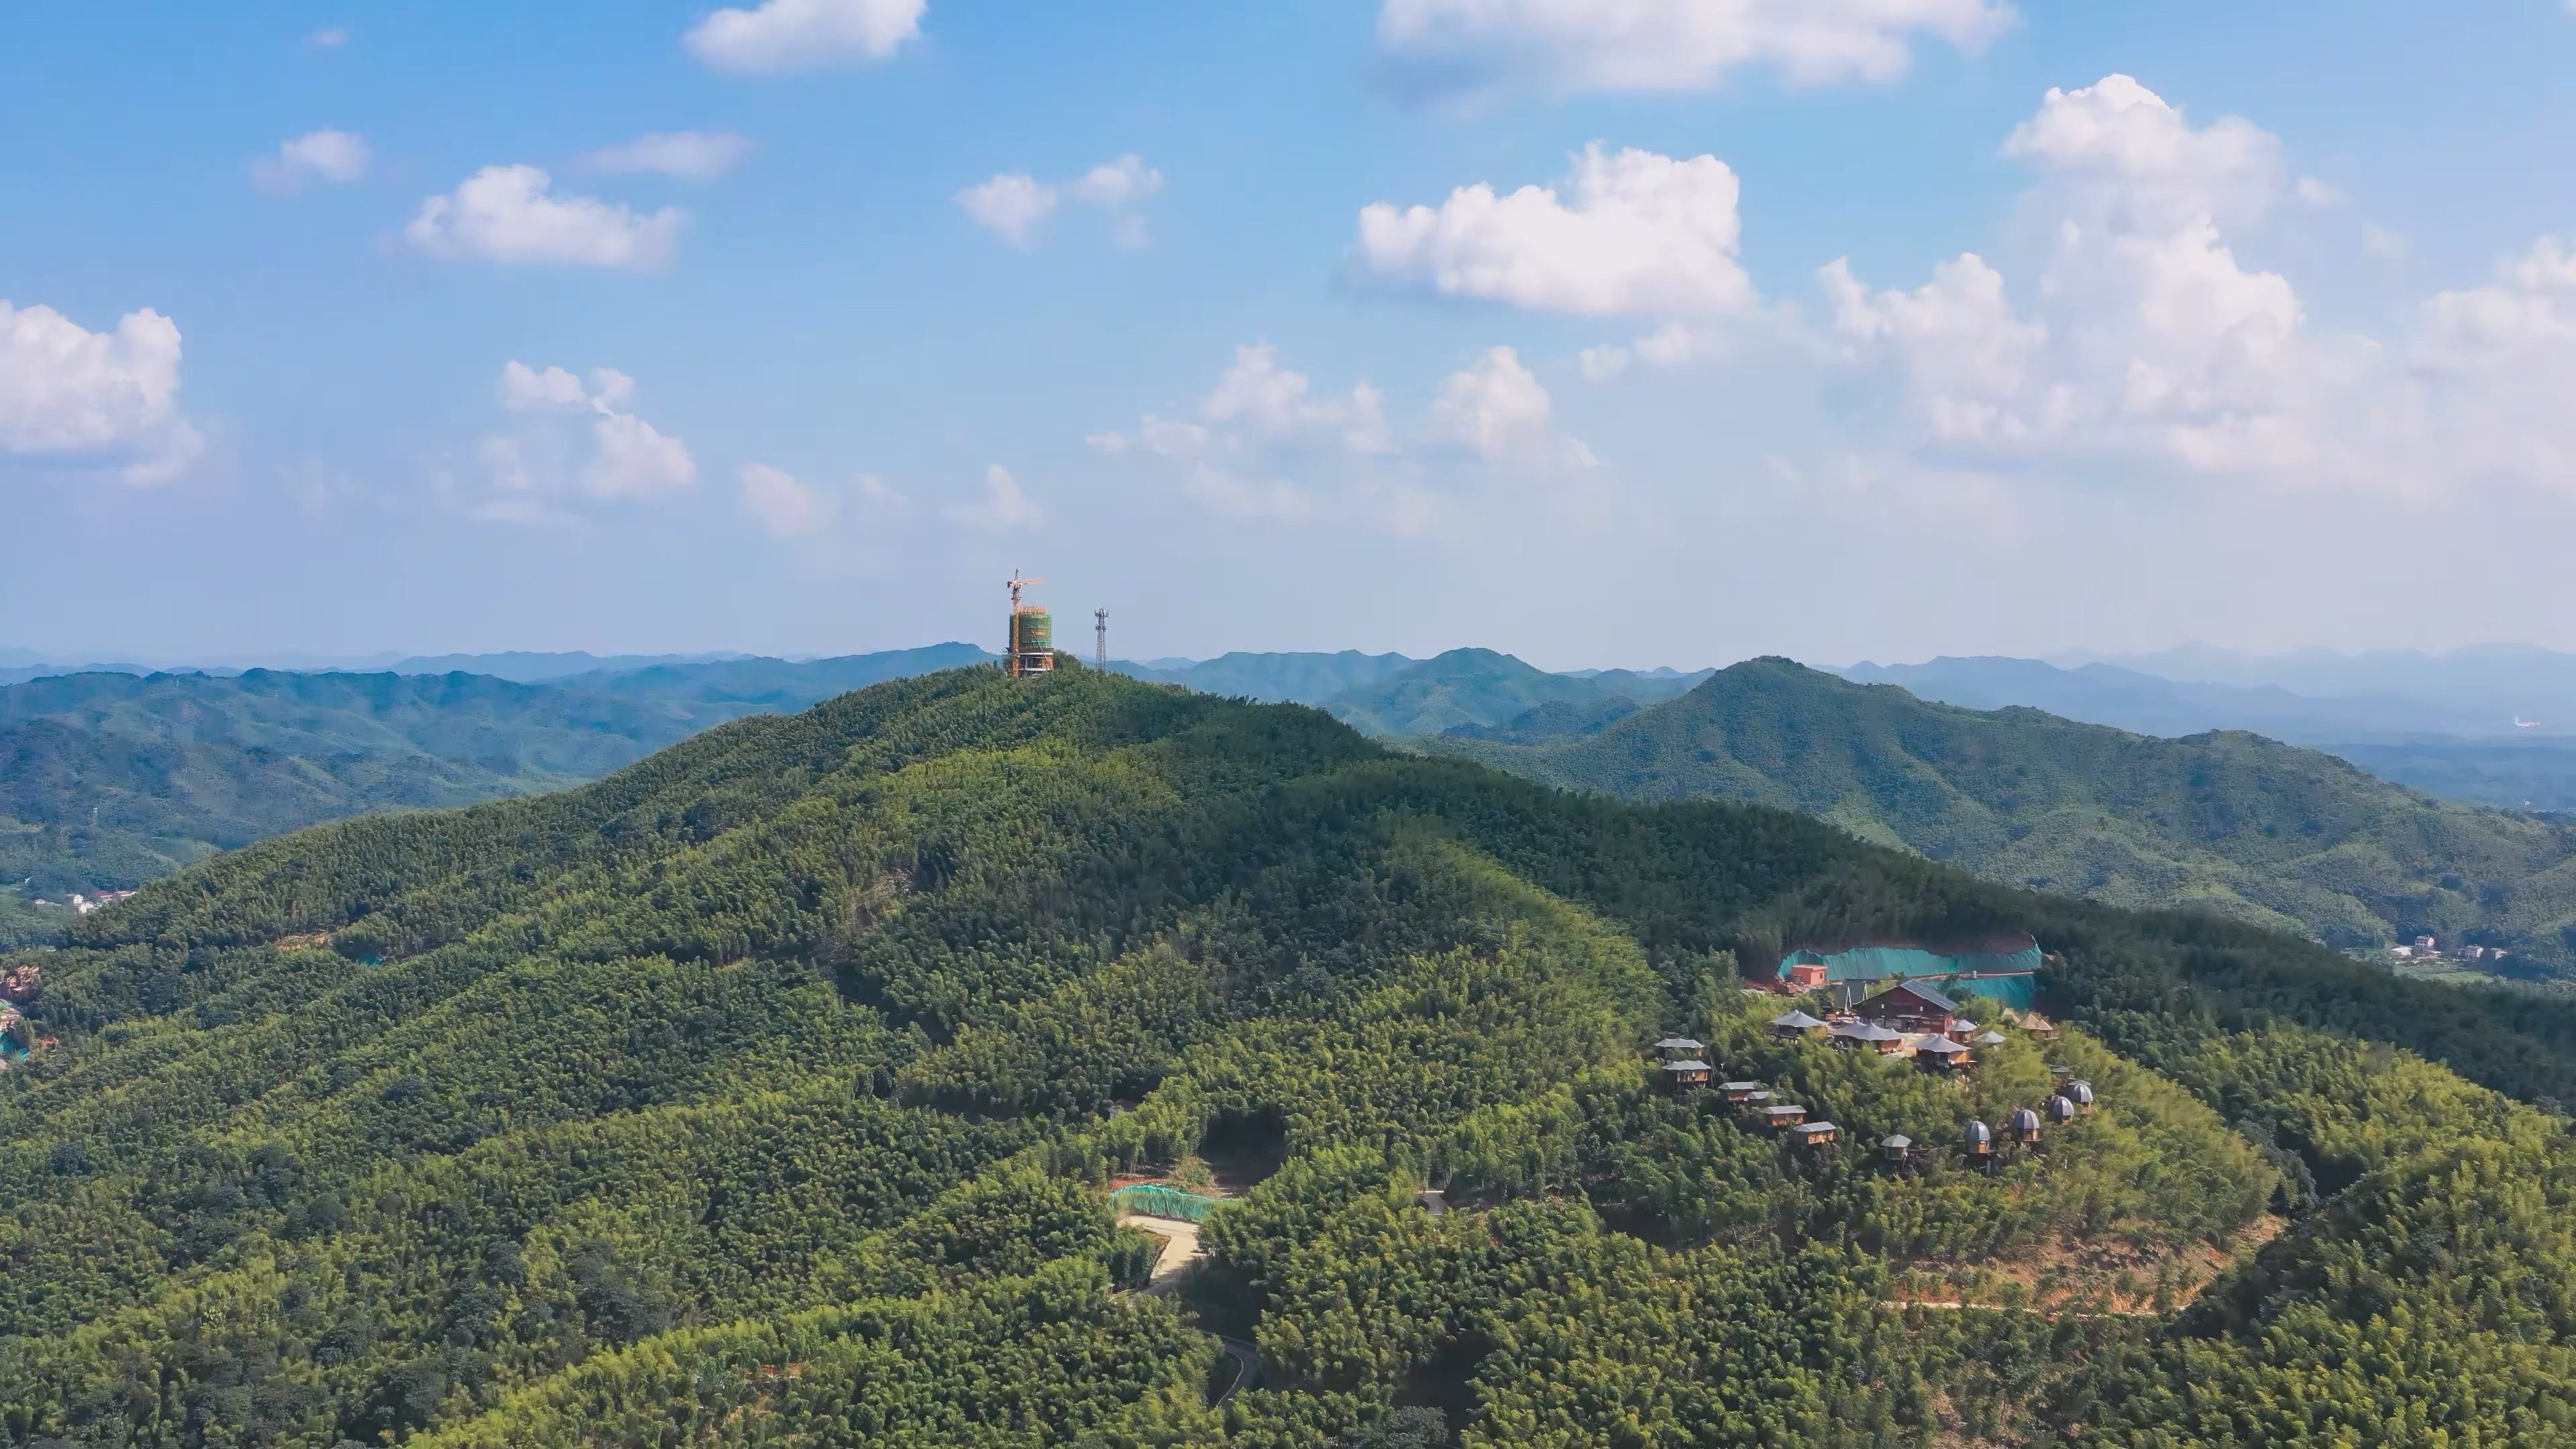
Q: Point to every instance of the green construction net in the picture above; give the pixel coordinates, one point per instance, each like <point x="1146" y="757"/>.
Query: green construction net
<point x="1156" y="1201"/>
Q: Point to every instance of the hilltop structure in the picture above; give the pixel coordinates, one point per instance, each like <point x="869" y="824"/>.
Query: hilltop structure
<point x="1032" y="645"/>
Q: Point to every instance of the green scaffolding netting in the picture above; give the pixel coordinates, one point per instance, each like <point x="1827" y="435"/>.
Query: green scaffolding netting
<point x="1155" y="1201"/>
<point x="2000" y="976"/>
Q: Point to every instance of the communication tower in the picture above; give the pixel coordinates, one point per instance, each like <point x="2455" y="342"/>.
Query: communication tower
<point x="1100" y="639"/>
<point x="1032" y="647"/>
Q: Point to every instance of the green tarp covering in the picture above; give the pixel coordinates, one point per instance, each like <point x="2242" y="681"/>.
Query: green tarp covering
<point x="1155" y="1201"/>
<point x="1999" y="976"/>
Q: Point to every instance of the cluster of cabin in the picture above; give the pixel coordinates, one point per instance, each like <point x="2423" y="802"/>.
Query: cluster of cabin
<point x="1912" y="1018"/>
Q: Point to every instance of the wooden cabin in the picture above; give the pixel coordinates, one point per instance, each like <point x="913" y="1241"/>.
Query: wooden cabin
<point x="1675" y="1048"/>
<point x="1681" y="1076"/>
<point x="1739" y="1093"/>
<point x="1759" y="1100"/>
<point x="1795" y="1023"/>
<point x="1865" y="1036"/>
<point x="1913" y="1007"/>
<point x="1783" y="1115"/>
<point x="1815" y="1134"/>
<point x="1987" y="1039"/>
<point x="1940" y="1054"/>
<point x="2024" y="1126"/>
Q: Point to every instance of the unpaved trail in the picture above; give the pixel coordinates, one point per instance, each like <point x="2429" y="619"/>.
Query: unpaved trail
<point x="1183" y="1248"/>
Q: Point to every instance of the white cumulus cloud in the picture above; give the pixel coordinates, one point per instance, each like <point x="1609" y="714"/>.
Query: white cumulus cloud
<point x="1005" y="504"/>
<point x="784" y="505"/>
<point x="793" y="35"/>
<point x="2119" y="333"/>
<point x="1453" y="46"/>
<point x="688" y="155"/>
<point x="575" y="440"/>
<point x="97" y="397"/>
<point x="509" y="215"/>
<point x="1634" y="233"/>
<point x="325" y="155"/>
<point x="1009" y="206"/>
<point x="1014" y="204"/>
<point x="1495" y="407"/>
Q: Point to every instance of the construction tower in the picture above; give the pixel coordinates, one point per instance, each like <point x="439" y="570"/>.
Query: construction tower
<point x="1100" y="639"/>
<point x="1032" y="647"/>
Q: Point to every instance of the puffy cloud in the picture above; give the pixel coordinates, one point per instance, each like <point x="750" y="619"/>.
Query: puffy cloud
<point x="1495" y="407"/>
<point x="1265" y="443"/>
<point x="1454" y="46"/>
<point x="2129" y="338"/>
<point x="2323" y="195"/>
<point x="1258" y="399"/>
<point x="1005" y="504"/>
<point x="1114" y="183"/>
<point x="2150" y="339"/>
<point x="688" y="155"/>
<point x="2119" y="147"/>
<point x="1012" y="205"/>
<point x="794" y="35"/>
<point x="785" y="506"/>
<point x="1636" y="234"/>
<point x="576" y="441"/>
<point x="634" y="461"/>
<point x="1675" y="344"/>
<point x="1962" y="356"/>
<point x="77" y="395"/>
<point x="507" y="215"/>
<point x="331" y="156"/>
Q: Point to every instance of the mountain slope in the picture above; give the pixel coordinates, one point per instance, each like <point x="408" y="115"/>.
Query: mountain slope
<point x="2229" y="823"/>
<point x="766" y="1091"/>
<point x="1274" y="678"/>
<point x="1470" y="687"/>
<point x="113" y="779"/>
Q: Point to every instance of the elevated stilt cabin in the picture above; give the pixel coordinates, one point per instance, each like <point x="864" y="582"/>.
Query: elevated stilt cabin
<point x="1913" y="1007"/>
<point x="1681" y="1076"/>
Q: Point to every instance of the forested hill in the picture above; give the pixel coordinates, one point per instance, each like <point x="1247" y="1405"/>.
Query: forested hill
<point x="108" y="780"/>
<point x="767" y="1092"/>
<point x="2229" y="823"/>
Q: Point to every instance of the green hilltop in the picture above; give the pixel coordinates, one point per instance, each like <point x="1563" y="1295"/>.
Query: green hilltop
<point x="769" y="1090"/>
<point x="2227" y="822"/>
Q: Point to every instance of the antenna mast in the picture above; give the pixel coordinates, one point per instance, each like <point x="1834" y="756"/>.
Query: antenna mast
<point x="1100" y="633"/>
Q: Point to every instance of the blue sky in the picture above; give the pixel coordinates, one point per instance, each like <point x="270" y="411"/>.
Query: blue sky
<point x="2254" y="331"/>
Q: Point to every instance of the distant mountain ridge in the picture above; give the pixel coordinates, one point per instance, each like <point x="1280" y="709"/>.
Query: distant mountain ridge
<point x="2463" y="752"/>
<point x="2229" y="823"/>
<point x="110" y="779"/>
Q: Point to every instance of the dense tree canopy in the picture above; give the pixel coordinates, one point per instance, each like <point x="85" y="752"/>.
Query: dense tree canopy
<point x="765" y="1092"/>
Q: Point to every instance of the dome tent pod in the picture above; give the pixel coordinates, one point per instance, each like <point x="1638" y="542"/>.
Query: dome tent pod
<point x="2060" y="1110"/>
<point x="2080" y="1092"/>
<point x="1978" y="1137"/>
<point x="2024" y="1125"/>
